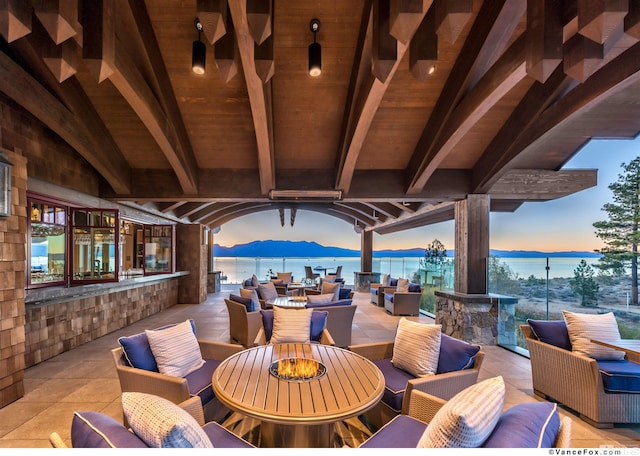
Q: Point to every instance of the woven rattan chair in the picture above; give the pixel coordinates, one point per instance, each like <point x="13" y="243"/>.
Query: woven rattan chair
<point x="575" y="381"/>
<point x="243" y="325"/>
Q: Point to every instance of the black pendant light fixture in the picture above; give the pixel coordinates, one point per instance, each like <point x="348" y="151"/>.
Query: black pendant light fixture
<point x="198" y="52"/>
<point x="315" y="51"/>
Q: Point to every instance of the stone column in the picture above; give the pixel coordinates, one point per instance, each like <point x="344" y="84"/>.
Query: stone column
<point x="13" y="238"/>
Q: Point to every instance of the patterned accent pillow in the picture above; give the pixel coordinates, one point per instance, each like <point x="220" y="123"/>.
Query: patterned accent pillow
<point x="320" y="299"/>
<point x="251" y="294"/>
<point x="291" y="326"/>
<point x="468" y="418"/>
<point x="402" y="286"/>
<point x="331" y="288"/>
<point x="176" y="349"/>
<point x="268" y="291"/>
<point x="161" y="423"/>
<point x="417" y="347"/>
<point x="584" y="327"/>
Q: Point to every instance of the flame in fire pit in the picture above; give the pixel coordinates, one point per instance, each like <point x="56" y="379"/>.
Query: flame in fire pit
<point x="297" y="369"/>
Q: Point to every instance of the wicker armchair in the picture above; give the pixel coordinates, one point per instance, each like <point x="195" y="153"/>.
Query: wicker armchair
<point x="175" y="389"/>
<point x="243" y="325"/>
<point x="340" y="322"/>
<point x="444" y="386"/>
<point x="575" y="381"/>
<point x="405" y="431"/>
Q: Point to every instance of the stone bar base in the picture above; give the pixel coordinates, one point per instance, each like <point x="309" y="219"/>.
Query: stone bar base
<point x="60" y="325"/>
<point x="482" y="319"/>
<point x="363" y="280"/>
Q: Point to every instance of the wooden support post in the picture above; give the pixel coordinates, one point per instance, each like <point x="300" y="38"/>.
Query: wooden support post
<point x="471" y="244"/>
<point x="366" y="251"/>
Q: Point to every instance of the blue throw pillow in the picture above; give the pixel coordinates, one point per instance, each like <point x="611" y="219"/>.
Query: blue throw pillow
<point x="393" y="282"/>
<point x="248" y="302"/>
<point x="318" y="323"/>
<point x="137" y="350"/>
<point x="414" y="288"/>
<point x="455" y="354"/>
<point x="267" y="323"/>
<point x="344" y="293"/>
<point x="553" y="332"/>
<point x="528" y="425"/>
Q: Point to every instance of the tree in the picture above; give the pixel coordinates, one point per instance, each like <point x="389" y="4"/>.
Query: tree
<point x="621" y="233"/>
<point x="501" y="277"/>
<point x="585" y="285"/>
<point x="434" y="261"/>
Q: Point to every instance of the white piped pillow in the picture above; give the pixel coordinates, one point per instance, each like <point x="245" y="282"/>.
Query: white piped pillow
<point x="584" y="327"/>
<point x="175" y="349"/>
<point x="162" y="424"/>
<point x="468" y="418"/>
<point x="417" y="347"/>
<point x="291" y="326"/>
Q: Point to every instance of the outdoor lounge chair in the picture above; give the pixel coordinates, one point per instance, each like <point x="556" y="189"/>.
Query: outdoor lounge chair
<point x="243" y="325"/>
<point x="339" y="319"/>
<point x="575" y="380"/>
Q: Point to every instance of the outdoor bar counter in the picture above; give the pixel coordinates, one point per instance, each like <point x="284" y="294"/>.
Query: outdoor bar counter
<point x="58" y="319"/>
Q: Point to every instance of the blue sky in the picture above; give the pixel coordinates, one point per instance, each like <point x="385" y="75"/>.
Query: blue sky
<point x="563" y="224"/>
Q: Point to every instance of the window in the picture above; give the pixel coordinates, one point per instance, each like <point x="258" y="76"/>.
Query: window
<point x="95" y="245"/>
<point x="158" y="249"/>
<point x="47" y="243"/>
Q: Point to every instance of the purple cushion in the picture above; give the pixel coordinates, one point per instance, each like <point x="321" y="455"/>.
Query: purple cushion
<point x="393" y="282"/>
<point x="414" y="288"/>
<point x="402" y="431"/>
<point x="395" y="383"/>
<point x="137" y="351"/>
<point x="318" y="323"/>
<point x="553" y="332"/>
<point x="248" y="302"/>
<point x="96" y="430"/>
<point x="222" y="438"/>
<point x="455" y="354"/>
<point x="528" y="425"/>
<point x="199" y="381"/>
<point x="341" y="302"/>
<point x="620" y="376"/>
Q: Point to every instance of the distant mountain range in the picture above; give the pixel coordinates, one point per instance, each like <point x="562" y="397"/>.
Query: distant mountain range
<point x="305" y="249"/>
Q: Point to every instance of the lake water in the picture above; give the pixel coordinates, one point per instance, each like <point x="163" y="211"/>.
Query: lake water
<point x="238" y="269"/>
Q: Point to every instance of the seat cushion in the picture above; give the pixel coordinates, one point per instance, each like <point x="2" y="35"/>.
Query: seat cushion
<point x="553" y="332"/>
<point x="176" y="350"/>
<point x="620" y="376"/>
<point x="395" y="383"/>
<point x="584" y="327"/>
<point x="528" y="425"/>
<point x="468" y="418"/>
<point x="199" y="381"/>
<point x="137" y="350"/>
<point x="416" y="347"/>
<point x="388" y="297"/>
<point x="223" y="438"/>
<point x="162" y="424"/>
<point x="96" y="430"/>
<point x="402" y="431"/>
<point x="455" y="354"/>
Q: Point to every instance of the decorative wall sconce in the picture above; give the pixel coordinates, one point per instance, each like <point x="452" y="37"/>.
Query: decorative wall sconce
<point x="5" y="186"/>
<point x="315" y="51"/>
<point x="198" y="52"/>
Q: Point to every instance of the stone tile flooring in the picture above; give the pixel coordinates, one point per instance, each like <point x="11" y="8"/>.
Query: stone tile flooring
<point x="85" y="378"/>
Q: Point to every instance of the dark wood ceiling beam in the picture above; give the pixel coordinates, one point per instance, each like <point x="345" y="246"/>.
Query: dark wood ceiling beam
<point x="231" y="212"/>
<point x="388" y="209"/>
<point x="509" y="71"/>
<point x="544" y="38"/>
<point x="213" y="17"/>
<point x="99" y="43"/>
<point x="503" y="148"/>
<point x="426" y="216"/>
<point x="69" y="125"/>
<point x="162" y="115"/>
<point x="489" y="34"/>
<point x="452" y="17"/>
<point x="218" y="208"/>
<point x="169" y="207"/>
<point x="225" y="52"/>
<point x="365" y="95"/>
<point x="405" y="17"/>
<point x="542" y="185"/>
<point x="259" y="96"/>
<point x="598" y="19"/>
<point x="15" y="19"/>
<point x="355" y="217"/>
<point x="423" y="49"/>
<point x="59" y="18"/>
<point x="364" y="215"/>
<point x="189" y="209"/>
<point x="632" y="20"/>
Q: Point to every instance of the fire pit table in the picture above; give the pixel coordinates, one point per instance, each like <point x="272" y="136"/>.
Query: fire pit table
<point x="298" y="411"/>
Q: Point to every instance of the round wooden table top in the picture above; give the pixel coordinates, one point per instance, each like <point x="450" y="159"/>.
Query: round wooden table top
<point x="351" y="385"/>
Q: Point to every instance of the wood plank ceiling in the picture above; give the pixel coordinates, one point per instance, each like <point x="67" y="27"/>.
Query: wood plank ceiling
<point x="420" y="102"/>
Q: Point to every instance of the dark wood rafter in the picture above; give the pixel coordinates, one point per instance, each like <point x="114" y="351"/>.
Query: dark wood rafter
<point x="231" y="212"/>
<point x="15" y="19"/>
<point x="452" y="17"/>
<point x="99" y="43"/>
<point x="259" y="96"/>
<point x="366" y="94"/>
<point x="59" y="18"/>
<point x="170" y="207"/>
<point x="192" y="209"/>
<point x="543" y="38"/>
<point x="69" y="125"/>
<point x="388" y="209"/>
<point x="213" y="16"/>
<point x="226" y="51"/>
<point x="366" y="217"/>
<point x="599" y="19"/>
<point x="491" y="34"/>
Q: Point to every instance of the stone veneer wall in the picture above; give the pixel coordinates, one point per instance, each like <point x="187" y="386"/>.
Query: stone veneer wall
<point x="13" y="232"/>
<point x="55" y="328"/>
<point x="192" y="258"/>
<point x="478" y="319"/>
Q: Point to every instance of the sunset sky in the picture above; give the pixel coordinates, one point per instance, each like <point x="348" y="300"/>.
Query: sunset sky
<point x="561" y="225"/>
